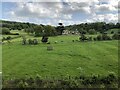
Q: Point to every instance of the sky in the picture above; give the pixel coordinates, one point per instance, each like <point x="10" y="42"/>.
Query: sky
<point x="67" y="12"/>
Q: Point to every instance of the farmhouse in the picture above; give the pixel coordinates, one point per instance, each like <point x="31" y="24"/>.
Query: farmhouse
<point x="66" y="32"/>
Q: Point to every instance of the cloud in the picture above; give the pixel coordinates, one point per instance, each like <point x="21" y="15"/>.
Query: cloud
<point x="104" y="18"/>
<point x="105" y="8"/>
<point x="50" y="9"/>
<point x="69" y="11"/>
<point x="30" y="0"/>
<point x="39" y="10"/>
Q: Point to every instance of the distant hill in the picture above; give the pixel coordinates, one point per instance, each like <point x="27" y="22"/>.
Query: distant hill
<point x="85" y="27"/>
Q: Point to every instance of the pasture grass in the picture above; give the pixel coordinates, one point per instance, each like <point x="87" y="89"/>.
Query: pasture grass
<point x="67" y="58"/>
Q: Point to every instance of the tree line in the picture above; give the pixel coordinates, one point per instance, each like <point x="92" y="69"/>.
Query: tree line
<point x="30" y="28"/>
<point x="93" y="27"/>
<point x="48" y="30"/>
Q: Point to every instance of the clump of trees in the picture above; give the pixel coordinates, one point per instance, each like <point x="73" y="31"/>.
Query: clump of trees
<point x="24" y="41"/>
<point x="5" y="31"/>
<point x="92" y="28"/>
<point x="40" y="30"/>
<point x="83" y="37"/>
<point x="100" y="37"/>
<point x="103" y="37"/>
<point x="29" y="41"/>
<point x="92" y="31"/>
<point x="32" y="42"/>
<point x="116" y="37"/>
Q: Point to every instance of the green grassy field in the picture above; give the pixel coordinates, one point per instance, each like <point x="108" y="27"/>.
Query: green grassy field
<point x="67" y="58"/>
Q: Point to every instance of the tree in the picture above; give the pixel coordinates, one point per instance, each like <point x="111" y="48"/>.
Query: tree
<point x="60" y="28"/>
<point x="82" y="31"/>
<point x="116" y="36"/>
<point x="24" y="41"/>
<point x="49" y="31"/>
<point x="105" y="37"/>
<point x="5" y="31"/>
<point x="92" y="31"/>
<point x="83" y="37"/>
<point x="30" y="41"/>
<point x="112" y="32"/>
<point x="35" y="41"/>
<point x="44" y="39"/>
<point x="38" y="31"/>
<point x="99" y="38"/>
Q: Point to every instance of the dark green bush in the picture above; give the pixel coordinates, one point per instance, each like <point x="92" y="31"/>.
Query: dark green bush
<point x="105" y="37"/>
<point x="99" y="38"/>
<point x="5" y="31"/>
<point x="81" y="81"/>
<point x="116" y="37"/>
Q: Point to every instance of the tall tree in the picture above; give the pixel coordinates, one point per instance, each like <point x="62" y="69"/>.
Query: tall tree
<point x="60" y="28"/>
<point x="38" y="30"/>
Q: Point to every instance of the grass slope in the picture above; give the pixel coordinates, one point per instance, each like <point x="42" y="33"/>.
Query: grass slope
<point x="67" y="58"/>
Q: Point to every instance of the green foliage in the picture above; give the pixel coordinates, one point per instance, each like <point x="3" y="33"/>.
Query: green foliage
<point x="116" y="37"/>
<point x="97" y="26"/>
<point x="112" y="32"/>
<point x="103" y="37"/>
<point x="82" y="31"/>
<point x="99" y="38"/>
<point x="44" y="39"/>
<point x="49" y="31"/>
<point x="92" y="31"/>
<point x="87" y="27"/>
<point x="7" y="38"/>
<point x="5" y="31"/>
<point x="90" y="38"/>
<point x="83" y="37"/>
<point x="60" y="29"/>
<point x="94" y="81"/>
<point x="39" y="31"/>
<point x="24" y="41"/>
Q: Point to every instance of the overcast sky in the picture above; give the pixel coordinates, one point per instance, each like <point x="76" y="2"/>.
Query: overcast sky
<point x="65" y="11"/>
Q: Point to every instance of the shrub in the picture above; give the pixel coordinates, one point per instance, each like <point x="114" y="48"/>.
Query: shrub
<point x="3" y="39"/>
<point x="92" y="31"/>
<point x="105" y="37"/>
<point x="5" y="31"/>
<point x="112" y="32"/>
<point x="95" y="39"/>
<point x="94" y="81"/>
<point x="116" y="37"/>
<point x="30" y="41"/>
<point x="8" y="38"/>
<point x="35" y="41"/>
<point x="99" y="37"/>
<point x="44" y="39"/>
<point x="24" y="41"/>
<point x="90" y="38"/>
<point x="83" y="37"/>
<point x="48" y="42"/>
